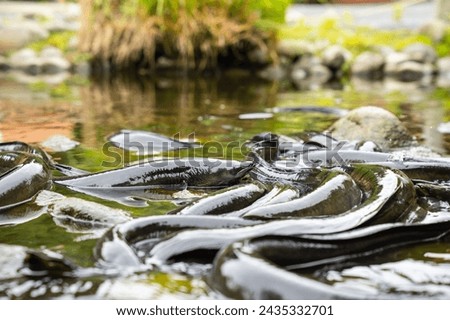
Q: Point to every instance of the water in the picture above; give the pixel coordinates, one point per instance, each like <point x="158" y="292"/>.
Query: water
<point x="208" y="109"/>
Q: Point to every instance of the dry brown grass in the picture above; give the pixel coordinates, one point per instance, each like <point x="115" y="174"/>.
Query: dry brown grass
<point x="197" y="38"/>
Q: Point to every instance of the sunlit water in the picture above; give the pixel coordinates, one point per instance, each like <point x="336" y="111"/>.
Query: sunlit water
<point x="221" y="113"/>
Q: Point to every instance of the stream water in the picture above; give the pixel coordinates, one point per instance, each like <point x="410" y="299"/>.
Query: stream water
<point x="221" y="113"/>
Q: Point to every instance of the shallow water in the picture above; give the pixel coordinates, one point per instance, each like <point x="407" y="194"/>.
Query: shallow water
<point x="207" y="110"/>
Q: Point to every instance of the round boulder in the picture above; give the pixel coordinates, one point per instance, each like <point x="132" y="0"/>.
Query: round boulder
<point x="334" y="57"/>
<point x="421" y="53"/>
<point x="372" y="124"/>
<point x="368" y="65"/>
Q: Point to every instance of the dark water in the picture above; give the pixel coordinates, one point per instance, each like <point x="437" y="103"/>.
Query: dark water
<point x="207" y="109"/>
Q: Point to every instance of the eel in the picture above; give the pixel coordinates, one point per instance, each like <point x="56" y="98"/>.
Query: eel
<point x="270" y="267"/>
<point x="133" y="184"/>
<point x="23" y="181"/>
<point x="388" y="194"/>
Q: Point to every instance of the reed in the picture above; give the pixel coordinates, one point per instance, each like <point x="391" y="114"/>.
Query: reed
<point x="197" y="34"/>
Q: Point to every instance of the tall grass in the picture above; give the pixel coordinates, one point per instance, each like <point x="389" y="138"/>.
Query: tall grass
<point x="196" y="33"/>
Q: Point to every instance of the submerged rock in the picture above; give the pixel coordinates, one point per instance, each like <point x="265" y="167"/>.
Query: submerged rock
<point x="25" y="60"/>
<point x="59" y="143"/>
<point x="78" y="215"/>
<point x="372" y="124"/>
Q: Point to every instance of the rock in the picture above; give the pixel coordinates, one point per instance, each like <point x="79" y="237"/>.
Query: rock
<point x="411" y="71"/>
<point x="443" y="69"/>
<point x="25" y="60"/>
<point x="294" y="48"/>
<point x="420" y="52"/>
<point x="51" y="52"/>
<point x="334" y="57"/>
<point x="59" y="143"/>
<point x="82" y="68"/>
<point x="400" y="66"/>
<point x="4" y="65"/>
<point x="393" y="60"/>
<point x="444" y="128"/>
<point x="16" y="36"/>
<point x="372" y="124"/>
<point x="435" y="29"/>
<point x="368" y="65"/>
<point x="73" y="43"/>
<point x="443" y="66"/>
<point x="273" y="72"/>
<point x="308" y="71"/>
<point x="54" y="65"/>
<point x="53" y="61"/>
<point x="259" y="56"/>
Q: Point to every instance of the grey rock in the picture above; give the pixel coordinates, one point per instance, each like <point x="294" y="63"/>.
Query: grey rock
<point x="54" y="65"/>
<point x="4" y="65"/>
<point x="25" y="60"/>
<point x="443" y="66"/>
<point x="393" y="60"/>
<point x="420" y="52"/>
<point x="411" y="71"/>
<point x="309" y="72"/>
<point x="435" y="29"/>
<point x="51" y="52"/>
<point x="59" y="143"/>
<point x="73" y="43"/>
<point x="16" y="36"/>
<point x="372" y="124"/>
<point x="60" y="25"/>
<point x="443" y="69"/>
<point x="294" y="48"/>
<point x="310" y="67"/>
<point x="259" y="56"/>
<point x="82" y="68"/>
<point x="273" y="72"/>
<point x="368" y="65"/>
<point x="334" y="57"/>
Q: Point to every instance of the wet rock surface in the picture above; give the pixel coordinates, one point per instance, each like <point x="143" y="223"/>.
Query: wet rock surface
<point x="372" y="124"/>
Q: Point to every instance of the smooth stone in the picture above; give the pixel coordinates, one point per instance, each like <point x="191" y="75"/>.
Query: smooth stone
<point x="372" y="124"/>
<point x="444" y="128"/>
<point x="420" y="52"/>
<point x="4" y="65"/>
<point x="393" y="60"/>
<point x="409" y="71"/>
<point x="294" y="48"/>
<point x="51" y="52"/>
<point x="435" y="29"/>
<point x="82" y="68"/>
<point x="273" y="72"/>
<point x="16" y="36"/>
<point x="25" y="60"/>
<point x="59" y="143"/>
<point x="368" y="65"/>
<point x="259" y="56"/>
<point x="443" y="66"/>
<point x="334" y="57"/>
<point x="54" y="65"/>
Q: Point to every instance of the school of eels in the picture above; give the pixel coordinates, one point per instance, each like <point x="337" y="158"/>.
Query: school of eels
<point x="274" y="226"/>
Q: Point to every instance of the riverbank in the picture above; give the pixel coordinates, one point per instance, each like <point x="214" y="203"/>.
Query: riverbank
<point x="320" y="44"/>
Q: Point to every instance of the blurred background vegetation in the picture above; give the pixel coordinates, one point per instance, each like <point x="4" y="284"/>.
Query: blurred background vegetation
<point x="198" y="34"/>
